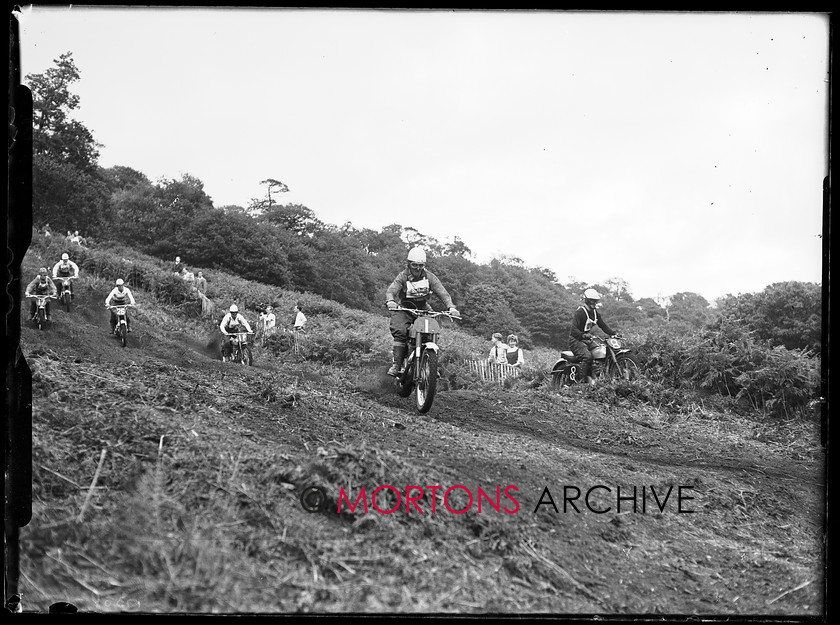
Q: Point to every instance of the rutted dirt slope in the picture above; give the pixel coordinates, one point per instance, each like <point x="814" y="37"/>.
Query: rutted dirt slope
<point x="197" y="502"/>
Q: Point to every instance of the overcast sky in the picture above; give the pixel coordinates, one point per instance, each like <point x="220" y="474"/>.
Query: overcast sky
<point x="678" y="151"/>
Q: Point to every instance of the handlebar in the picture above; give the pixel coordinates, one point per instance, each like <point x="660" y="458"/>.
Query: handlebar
<point x="121" y="306"/>
<point x="428" y="313"/>
<point x="44" y="296"/>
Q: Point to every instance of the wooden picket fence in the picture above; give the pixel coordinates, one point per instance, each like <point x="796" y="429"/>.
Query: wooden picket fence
<point x="492" y="372"/>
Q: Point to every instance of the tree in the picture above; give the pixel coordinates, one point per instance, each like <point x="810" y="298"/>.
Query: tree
<point x="257" y="206"/>
<point x="295" y="218"/>
<point x="54" y="133"/>
<point x="67" y="190"/>
<point x="619" y="289"/>
<point x="786" y="313"/>
<point x="689" y="311"/>
<point x="456" y="247"/>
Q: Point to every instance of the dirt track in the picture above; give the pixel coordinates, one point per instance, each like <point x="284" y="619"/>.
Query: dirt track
<point x="751" y="543"/>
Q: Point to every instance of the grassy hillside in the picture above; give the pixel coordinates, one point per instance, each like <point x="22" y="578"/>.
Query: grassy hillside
<point x="167" y="481"/>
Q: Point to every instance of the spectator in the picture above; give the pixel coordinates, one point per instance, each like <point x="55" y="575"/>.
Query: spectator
<point x="77" y="239"/>
<point x="47" y="232"/>
<point x="177" y="266"/>
<point x="69" y="237"/>
<point x="514" y="355"/>
<point x="201" y="283"/>
<point x="268" y="320"/>
<point x="498" y="353"/>
<point x="188" y="276"/>
<point x="300" y="319"/>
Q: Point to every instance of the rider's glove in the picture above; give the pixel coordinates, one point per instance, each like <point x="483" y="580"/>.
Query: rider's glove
<point x="454" y="312"/>
<point x="586" y="336"/>
<point x="392" y="305"/>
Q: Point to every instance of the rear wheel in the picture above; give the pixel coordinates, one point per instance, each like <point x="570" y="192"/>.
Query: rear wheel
<point x="427" y="380"/>
<point x="559" y="379"/>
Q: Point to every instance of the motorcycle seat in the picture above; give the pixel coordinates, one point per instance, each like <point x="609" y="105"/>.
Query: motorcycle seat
<point x="569" y="356"/>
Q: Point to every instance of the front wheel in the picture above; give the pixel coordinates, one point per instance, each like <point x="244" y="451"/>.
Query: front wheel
<point x="42" y="318"/>
<point x="627" y="368"/>
<point x="246" y="356"/>
<point x="66" y="298"/>
<point x="427" y="380"/>
<point x="121" y="332"/>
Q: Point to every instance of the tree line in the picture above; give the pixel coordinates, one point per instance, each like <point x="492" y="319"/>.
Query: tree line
<point x="288" y="246"/>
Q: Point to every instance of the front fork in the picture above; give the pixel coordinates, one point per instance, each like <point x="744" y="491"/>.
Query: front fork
<point x="422" y="343"/>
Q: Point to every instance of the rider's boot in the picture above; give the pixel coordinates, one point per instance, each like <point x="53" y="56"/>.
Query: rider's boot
<point x="399" y="354"/>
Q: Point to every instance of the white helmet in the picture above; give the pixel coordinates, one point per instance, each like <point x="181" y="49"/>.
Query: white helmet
<point x="234" y="308"/>
<point x="120" y="282"/>
<point x="591" y="294"/>
<point x="417" y="255"/>
<point x="65" y="256"/>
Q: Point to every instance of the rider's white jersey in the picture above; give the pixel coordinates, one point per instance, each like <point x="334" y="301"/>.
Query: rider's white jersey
<point x="230" y="320"/>
<point x="120" y="298"/>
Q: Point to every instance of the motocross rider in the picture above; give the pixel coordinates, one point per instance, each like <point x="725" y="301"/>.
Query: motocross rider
<point x="412" y="288"/>
<point x="229" y="326"/>
<point x="586" y="317"/>
<point x="120" y="295"/>
<point x="41" y="285"/>
<point x="64" y="269"/>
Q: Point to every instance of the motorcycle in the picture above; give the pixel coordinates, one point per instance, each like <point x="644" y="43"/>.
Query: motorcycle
<point x="41" y="309"/>
<point x="419" y="370"/>
<point x="121" y="329"/>
<point x="65" y="295"/>
<point x="611" y="359"/>
<point x="240" y="349"/>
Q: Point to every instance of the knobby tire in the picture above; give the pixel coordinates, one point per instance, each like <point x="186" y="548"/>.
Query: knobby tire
<point x="427" y="380"/>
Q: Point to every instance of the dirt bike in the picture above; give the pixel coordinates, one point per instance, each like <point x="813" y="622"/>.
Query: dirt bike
<point x="65" y="295"/>
<point x="240" y="350"/>
<point x="41" y="309"/>
<point x="121" y="329"/>
<point x="611" y="359"/>
<point x="419" y="370"/>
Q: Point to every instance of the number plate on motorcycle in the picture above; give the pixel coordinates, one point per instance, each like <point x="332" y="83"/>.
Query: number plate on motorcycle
<point x="426" y="325"/>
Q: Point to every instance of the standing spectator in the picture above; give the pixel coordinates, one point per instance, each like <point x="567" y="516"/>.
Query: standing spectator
<point x="201" y="283"/>
<point x="188" y="276"/>
<point x="69" y="237"/>
<point x="514" y="355"/>
<point x="268" y="322"/>
<point x="47" y="232"/>
<point x="498" y="353"/>
<point x="300" y="319"/>
<point x="177" y="266"/>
